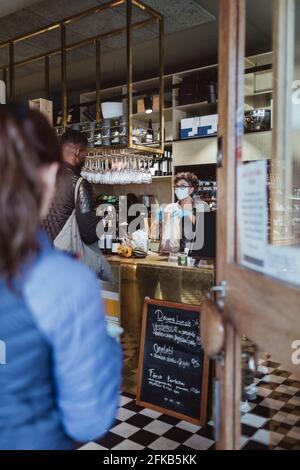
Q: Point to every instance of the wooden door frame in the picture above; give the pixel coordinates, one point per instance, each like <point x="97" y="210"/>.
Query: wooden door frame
<point x="231" y="75"/>
<point x="256" y="305"/>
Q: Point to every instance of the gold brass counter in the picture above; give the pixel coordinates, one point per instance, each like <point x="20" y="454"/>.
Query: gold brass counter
<point x="156" y="278"/>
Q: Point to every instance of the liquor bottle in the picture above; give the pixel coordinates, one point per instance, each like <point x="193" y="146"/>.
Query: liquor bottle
<point x="159" y="163"/>
<point x="109" y="233"/>
<point x="116" y="242"/>
<point x="152" y="167"/>
<point x="170" y="164"/>
<point x="165" y="164"/>
<point x="156" y="166"/>
<point x="149" y="133"/>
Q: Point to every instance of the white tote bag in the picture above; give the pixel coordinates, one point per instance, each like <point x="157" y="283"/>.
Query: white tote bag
<point x="69" y="239"/>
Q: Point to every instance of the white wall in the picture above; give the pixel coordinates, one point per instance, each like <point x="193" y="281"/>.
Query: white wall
<point x="256" y="146"/>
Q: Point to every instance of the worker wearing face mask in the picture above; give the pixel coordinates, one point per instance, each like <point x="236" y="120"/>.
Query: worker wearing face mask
<point x="179" y="220"/>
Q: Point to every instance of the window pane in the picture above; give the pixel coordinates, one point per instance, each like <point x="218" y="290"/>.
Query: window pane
<point x="268" y="173"/>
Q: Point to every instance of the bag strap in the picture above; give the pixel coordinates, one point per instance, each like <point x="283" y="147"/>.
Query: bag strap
<point x="78" y="183"/>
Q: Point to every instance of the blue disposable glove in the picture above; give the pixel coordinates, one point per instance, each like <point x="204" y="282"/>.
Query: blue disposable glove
<point x="182" y="213"/>
<point x="159" y="215"/>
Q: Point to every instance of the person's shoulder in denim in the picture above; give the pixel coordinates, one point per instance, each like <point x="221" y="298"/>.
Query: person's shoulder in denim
<point x="64" y="298"/>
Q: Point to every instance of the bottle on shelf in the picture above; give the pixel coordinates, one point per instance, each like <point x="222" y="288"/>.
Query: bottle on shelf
<point x="156" y="166"/>
<point x="165" y="164"/>
<point x="116" y="242"/>
<point x="170" y="164"/>
<point x="160" y="165"/>
<point x="152" y="167"/>
<point x="149" y="133"/>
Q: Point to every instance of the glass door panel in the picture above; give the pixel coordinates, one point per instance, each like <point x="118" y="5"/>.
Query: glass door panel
<point x="268" y="221"/>
<point x="268" y="157"/>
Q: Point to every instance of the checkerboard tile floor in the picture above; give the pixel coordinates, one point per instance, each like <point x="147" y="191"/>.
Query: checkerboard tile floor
<point x="273" y="421"/>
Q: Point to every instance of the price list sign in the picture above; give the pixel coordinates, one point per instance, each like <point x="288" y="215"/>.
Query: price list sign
<point x="173" y="369"/>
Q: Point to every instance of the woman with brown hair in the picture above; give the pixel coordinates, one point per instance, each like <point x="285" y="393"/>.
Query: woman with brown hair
<point x="179" y="219"/>
<point x="61" y="378"/>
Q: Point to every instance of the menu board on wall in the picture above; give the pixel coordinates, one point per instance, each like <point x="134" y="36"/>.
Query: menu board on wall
<point x="173" y="369"/>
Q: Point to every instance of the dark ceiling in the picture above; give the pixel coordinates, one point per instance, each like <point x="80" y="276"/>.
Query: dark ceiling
<point x="191" y="39"/>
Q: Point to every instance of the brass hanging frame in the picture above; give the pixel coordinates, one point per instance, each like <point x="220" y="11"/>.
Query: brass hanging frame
<point x="155" y="17"/>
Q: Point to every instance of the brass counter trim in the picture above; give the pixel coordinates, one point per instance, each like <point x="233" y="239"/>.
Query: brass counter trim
<point x="157" y="261"/>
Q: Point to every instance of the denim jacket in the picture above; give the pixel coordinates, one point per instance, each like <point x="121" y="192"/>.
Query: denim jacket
<point x="62" y="375"/>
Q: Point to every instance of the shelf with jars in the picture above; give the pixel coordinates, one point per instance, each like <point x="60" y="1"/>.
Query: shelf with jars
<point x="114" y="132"/>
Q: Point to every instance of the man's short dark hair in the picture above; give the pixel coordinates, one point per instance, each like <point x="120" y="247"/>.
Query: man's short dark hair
<point x="74" y="137"/>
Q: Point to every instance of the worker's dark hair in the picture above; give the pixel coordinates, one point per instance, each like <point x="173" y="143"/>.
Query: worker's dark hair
<point x="74" y="137"/>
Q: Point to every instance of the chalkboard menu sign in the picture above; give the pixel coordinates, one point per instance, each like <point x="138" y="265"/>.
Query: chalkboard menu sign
<point x="173" y="369"/>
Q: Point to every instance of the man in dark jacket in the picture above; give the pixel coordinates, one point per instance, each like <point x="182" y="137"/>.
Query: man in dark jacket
<point x="74" y="148"/>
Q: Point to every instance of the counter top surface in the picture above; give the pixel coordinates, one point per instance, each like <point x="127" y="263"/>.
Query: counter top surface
<point x="154" y="259"/>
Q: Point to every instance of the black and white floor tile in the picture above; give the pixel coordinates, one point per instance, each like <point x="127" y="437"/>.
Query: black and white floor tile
<point x="272" y="422"/>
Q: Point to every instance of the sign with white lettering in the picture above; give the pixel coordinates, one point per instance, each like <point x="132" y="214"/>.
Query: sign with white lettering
<point x="173" y="369"/>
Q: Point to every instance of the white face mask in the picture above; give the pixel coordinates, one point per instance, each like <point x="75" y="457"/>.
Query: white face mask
<point x="182" y="193"/>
